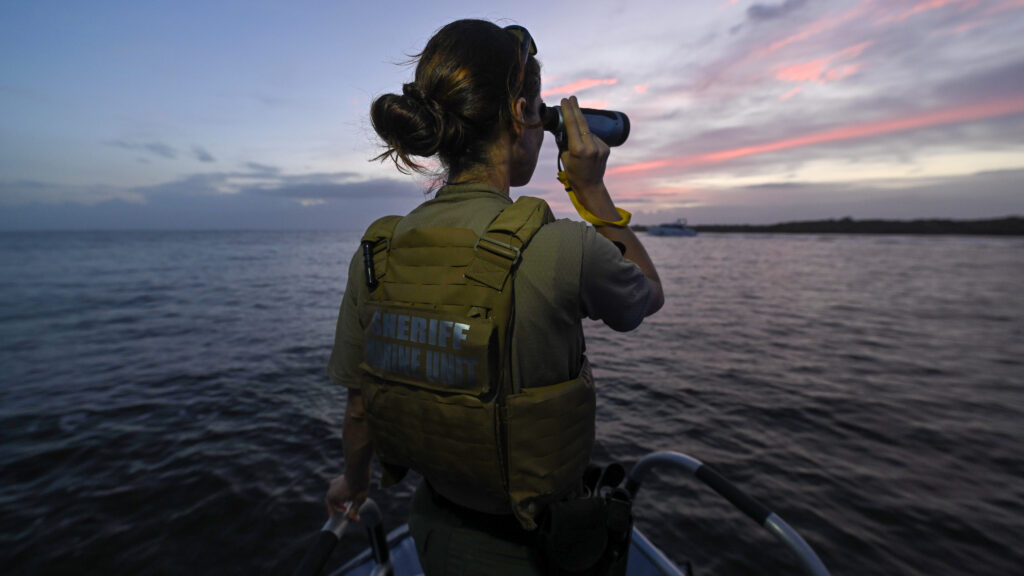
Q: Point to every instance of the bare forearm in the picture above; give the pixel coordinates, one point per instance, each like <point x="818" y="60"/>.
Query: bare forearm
<point x="356" y="442"/>
<point x="599" y="202"/>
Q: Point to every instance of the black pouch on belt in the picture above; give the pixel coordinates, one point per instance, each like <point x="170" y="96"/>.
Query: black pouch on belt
<point x="588" y="536"/>
<point x="575" y="535"/>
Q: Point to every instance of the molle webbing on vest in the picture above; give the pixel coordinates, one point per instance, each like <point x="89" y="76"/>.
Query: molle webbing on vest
<point x="435" y="374"/>
<point x="549" y="441"/>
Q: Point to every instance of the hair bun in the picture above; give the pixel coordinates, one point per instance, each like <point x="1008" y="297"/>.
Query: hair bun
<point x="412" y="90"/>
<point x="410" y="124"/>
<point x="450" y="129"/>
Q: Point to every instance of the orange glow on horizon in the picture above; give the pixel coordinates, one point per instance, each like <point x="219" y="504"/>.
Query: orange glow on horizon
<point x="956" y="115"/>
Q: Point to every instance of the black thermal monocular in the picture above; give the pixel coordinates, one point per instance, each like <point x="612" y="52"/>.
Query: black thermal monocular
<point x="610" y="126"/>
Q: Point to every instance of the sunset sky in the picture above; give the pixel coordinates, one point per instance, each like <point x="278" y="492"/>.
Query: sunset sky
<point x="254" y="114"/>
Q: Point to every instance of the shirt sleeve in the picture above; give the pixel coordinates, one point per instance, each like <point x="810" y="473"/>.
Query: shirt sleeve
<point x="343" y="366"/>
<point x="612" y="288"/>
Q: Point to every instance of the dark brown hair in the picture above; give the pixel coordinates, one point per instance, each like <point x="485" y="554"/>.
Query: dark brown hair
<point x="465" y="90"/>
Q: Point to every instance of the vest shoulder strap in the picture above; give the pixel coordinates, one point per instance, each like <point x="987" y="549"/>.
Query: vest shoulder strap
<point x="383" y="227"/>
<point x="500" y="247"/>
<point x="375" y="245"/>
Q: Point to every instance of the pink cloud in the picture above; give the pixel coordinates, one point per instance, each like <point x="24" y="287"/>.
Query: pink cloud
<point x="578" y="86"/>
<point x="599" y="104"/>
<point x="926" y="6"/>
<point x="821" y="70"/>
<point x="791" y="93"/>
<point x="641" y="88"/>
<point x="746" y="62"/>
<point x="842" y="72"/>
<point x="639" y="167"/>
<point x="1005" y="5"/>
<point x="964" y="28"/>
<point x="818" y="27"/>
<point x="955" y="115"/>
<point x="806" y="72"/>
<point x="853" y="51"/>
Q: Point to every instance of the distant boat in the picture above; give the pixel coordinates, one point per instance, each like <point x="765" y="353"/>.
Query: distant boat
<point x="677" y="228"/>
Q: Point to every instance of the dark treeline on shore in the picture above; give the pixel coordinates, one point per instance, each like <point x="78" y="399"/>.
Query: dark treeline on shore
<point x="1010" y="226"/>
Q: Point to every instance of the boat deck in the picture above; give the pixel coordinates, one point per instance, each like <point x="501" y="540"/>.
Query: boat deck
<point x="644" y="558"/>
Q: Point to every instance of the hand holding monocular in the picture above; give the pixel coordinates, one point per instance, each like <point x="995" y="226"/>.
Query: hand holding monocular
<point x="610" y="126"/>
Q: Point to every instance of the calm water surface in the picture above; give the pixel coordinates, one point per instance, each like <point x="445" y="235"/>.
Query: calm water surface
<point x="165" y="410"/>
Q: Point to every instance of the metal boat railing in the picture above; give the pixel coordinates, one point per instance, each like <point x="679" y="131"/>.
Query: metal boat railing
<point x="755" y="510"/>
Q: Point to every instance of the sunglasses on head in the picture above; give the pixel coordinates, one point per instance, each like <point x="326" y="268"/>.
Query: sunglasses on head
<point x="527" y="48"/>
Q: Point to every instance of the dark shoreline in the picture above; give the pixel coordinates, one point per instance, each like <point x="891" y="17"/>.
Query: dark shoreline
<point x="1010" y="226"/>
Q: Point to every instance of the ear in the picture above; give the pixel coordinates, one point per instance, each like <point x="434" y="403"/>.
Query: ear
<point x="519" y="108"/>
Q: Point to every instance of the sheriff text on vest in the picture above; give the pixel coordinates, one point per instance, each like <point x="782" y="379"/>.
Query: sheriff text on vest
<point x="419" y="346"/>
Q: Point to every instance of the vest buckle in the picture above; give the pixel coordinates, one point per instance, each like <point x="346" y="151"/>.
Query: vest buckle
<point x="498" y="248"/>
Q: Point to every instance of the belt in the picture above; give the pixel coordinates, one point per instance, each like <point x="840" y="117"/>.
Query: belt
<point x="503" y="526"/>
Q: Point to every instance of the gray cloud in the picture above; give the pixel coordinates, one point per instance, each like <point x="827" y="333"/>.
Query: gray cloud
<point x="761" y="12"/>
<point x="26" y="192"/>
<point x="329" y="186"/>
<point x="262" y="168"/>
<point x="202" y="155"/>
<point x="380" y="188"/>
<point x="156" y="148"/>
<point x="259" y="180"/>
<point x="160" y="149"/>
<point x="209" y="201"/>
<point x="1001" y="81"/>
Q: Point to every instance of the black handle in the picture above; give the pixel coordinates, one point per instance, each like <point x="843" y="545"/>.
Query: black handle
<point x="371" y="274"/>
<point x="757" y="511"/>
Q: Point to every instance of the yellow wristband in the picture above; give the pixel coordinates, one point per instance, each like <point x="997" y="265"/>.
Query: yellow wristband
<point x="587" y="214"/>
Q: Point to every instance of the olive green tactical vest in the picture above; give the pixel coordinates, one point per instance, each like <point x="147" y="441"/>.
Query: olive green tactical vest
<point x="436" y="378"/>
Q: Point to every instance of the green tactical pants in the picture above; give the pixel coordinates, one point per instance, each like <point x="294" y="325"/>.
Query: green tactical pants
<point x="455" y="541"/>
